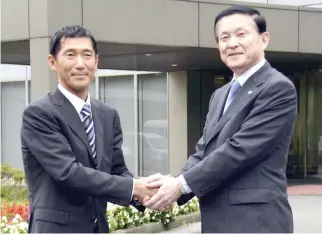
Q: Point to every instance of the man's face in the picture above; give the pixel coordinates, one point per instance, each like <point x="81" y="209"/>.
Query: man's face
<point x="75" y="63"/>
<point x="239" y="43"/>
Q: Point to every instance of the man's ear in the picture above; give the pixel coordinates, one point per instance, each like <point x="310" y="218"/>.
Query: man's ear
<point x="96" y="61"/>
<point x="52" y="62"/>
<point x="265" y="39"/>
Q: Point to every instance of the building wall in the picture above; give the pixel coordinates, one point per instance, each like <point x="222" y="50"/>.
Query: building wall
<point x="310" y="3"/>
<point x="160" y="22"/>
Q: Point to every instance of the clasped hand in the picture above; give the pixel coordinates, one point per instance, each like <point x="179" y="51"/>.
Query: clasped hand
<point x="157" y="192"/>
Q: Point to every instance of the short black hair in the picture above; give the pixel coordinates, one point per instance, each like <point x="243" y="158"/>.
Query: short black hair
<point x="239" y="9"/>
<point x="74" y="31"/>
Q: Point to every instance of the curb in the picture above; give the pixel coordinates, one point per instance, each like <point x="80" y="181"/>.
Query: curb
<point x="159" y="227"/>
<point x="305" y="194"/>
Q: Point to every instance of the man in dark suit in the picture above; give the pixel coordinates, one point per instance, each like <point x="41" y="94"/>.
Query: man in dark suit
<point x="238" y="169"/>
<point x="71" y="146"/>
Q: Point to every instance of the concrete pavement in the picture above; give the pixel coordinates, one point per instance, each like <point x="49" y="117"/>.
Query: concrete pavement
<point x="307" y="213"/>
<point x="306" y="203"/>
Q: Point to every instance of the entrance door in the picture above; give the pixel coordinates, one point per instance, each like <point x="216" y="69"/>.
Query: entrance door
<point x="200" y="87"/>
<point x="314" y="159"/>
<point x="297" y="152"/>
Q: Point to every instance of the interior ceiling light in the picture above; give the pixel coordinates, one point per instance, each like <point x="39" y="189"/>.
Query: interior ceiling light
<point x="148" y="54"/>
<point x="174" y="65"/>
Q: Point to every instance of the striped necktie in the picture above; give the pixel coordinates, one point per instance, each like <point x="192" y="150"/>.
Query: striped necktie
<point x="89" y="127"/>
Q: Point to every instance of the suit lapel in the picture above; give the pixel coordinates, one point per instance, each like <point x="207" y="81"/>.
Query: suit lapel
<point x="72" y="117"/>
<point x="245" y="93"/>
<point x="98" y="127"/>
<point x="221" y="104"/>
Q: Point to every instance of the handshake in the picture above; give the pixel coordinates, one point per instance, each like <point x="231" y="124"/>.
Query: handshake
<point x="157" y="192"/>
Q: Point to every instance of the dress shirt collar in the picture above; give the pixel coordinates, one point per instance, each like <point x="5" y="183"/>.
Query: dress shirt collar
<point x="244" y="77"/>
<point x="77" y="102"/>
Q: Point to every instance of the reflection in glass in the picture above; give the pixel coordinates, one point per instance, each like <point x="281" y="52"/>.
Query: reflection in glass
<point x="315" y="124"/>
<point x="13" y="103"/>
<point x="153" y="124"/>
<point x="118" y="92"/>
<point x="13" y="95"/>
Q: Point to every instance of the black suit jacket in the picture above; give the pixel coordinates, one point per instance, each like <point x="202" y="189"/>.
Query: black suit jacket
<point x="238" y="169"/>
<point x="67" y="189"/>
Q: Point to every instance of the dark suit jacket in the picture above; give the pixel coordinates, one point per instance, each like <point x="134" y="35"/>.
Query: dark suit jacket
<point x="67" y="190"/>
<point x="238" y="169"/>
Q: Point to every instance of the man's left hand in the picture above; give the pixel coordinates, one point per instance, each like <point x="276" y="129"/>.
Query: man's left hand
<point x="168" y="193"/>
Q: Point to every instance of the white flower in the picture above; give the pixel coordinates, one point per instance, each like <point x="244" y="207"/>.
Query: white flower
<point x="23" y="225"/>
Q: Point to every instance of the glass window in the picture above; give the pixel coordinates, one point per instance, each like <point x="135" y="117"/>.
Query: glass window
<point x="256" y="1"/>
<point x="314" y="159"/>
<point x="153" y="123"/>
<point x="295" y="2"/>
<point x="92" y="89"/>
<point x="13" y="103"/>
<point x="118" y="92"/>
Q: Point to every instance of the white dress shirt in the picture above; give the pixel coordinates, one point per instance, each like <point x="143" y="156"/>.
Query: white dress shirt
<point x="242" y="80"/>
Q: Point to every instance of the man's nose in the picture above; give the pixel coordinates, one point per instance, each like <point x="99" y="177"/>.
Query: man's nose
<point x="233" y="42"/>
<point x="79" y="62"/>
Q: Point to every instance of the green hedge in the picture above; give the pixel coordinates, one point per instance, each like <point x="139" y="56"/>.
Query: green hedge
<point x="13" y="185"/>
<point x="128" y="217"/>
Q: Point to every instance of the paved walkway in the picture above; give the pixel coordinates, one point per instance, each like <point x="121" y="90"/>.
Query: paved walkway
<point x="308" y="189"/>
<point x="306" y="203"/>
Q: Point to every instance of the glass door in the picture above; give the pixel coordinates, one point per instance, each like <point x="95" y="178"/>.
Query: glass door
<point x="314" y="159"/>
<point x="296" y="165"/>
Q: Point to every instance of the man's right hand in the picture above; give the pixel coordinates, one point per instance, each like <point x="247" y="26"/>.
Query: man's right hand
<point x="155" y="181"/>
<point x="142" y="192"/>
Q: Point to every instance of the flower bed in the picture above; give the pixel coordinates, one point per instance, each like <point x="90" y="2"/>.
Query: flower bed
<point x="14" y="217"/>
<point x="15" y="209"/>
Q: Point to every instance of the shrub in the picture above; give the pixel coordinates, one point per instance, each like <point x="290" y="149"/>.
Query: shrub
<point x="11" y="175"/>
<point x="13" y="185"/>
<point x="126" y="217"/>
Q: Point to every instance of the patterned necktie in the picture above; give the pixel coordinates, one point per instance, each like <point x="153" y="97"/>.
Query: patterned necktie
<point x="89" y="127"/>
<point x="234" y="88"/>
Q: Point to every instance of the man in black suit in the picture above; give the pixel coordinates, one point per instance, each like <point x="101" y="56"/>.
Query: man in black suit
<point x="71" y="146"/>
<point x="238" y="169"/>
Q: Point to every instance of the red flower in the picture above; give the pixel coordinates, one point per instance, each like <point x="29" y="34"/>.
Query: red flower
<point x="10" y="211"/>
